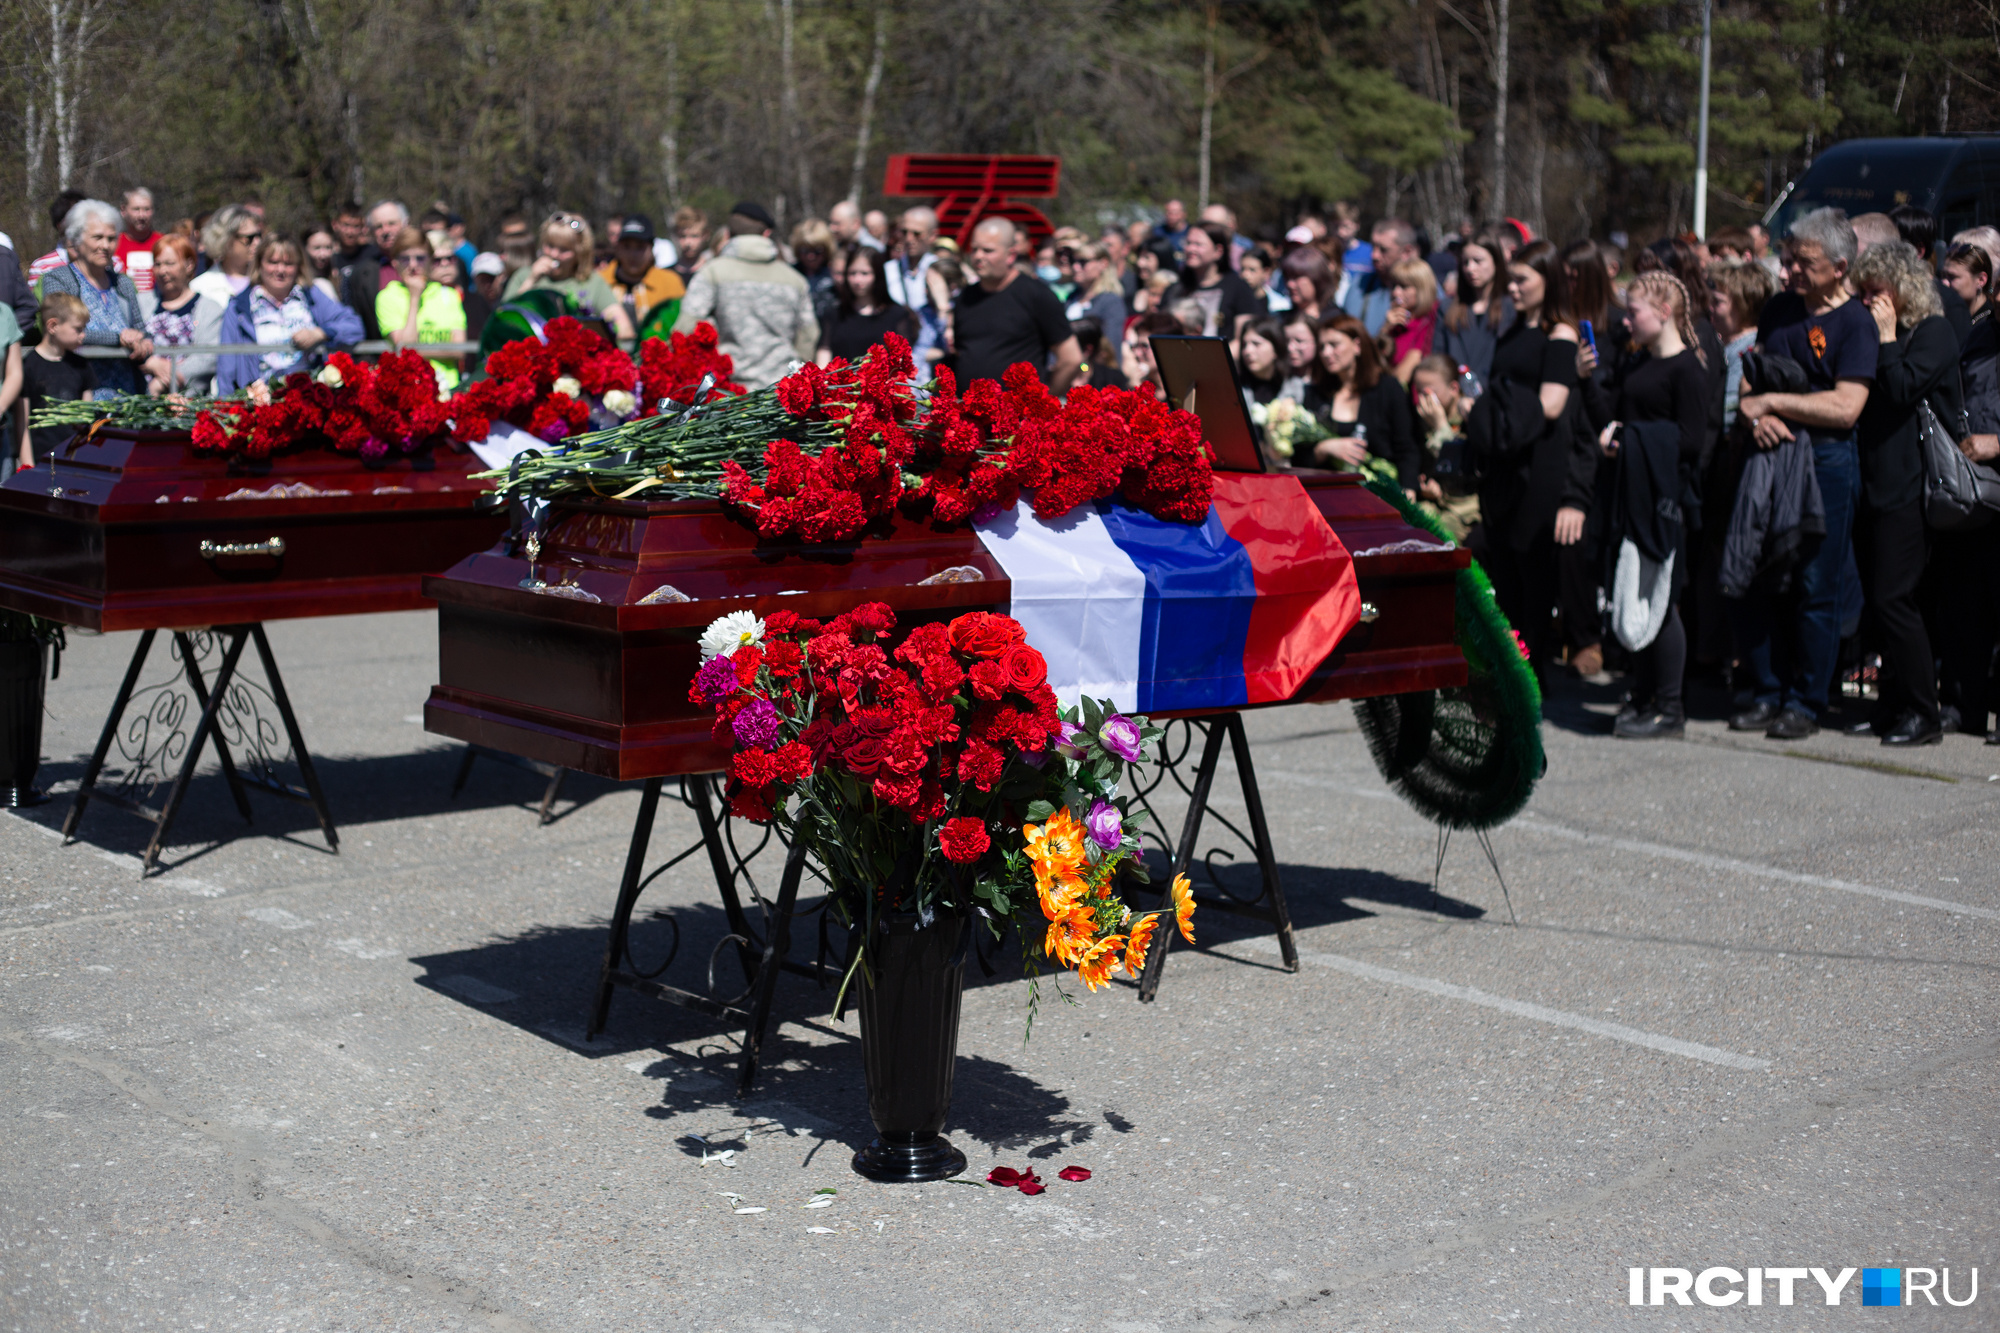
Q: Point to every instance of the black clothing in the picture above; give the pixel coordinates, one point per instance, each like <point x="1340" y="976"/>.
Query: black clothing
<point x="1472" y="344"/>
<point x="1385" y="422"/>
<point x="1979" y="370"/>
<point x="1531" y="466"/>
<point x="1965" y="569"/>
<point x="477" y="311"/>
<point x="44" y="381"/>
<point x="1659" y="668"/>
<point x="1236" y="297"/>
<point x="361" y="283"/>
<point x="1920" y="365"/>
<point x="1956" y="312"/>
<point x="15" y="292"/>
<point x="1023" y="321"/>
<point x="1674" y="389"/>
<point x="850" y="333"/>
<point x="1893" y="547"/>
<point x="1846" y="344"/>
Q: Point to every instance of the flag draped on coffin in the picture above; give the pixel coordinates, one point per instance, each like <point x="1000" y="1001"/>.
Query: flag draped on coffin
<point x="1159" y="616"/>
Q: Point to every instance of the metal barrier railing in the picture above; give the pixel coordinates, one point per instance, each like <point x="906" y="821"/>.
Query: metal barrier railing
<point x="373" y="347"/>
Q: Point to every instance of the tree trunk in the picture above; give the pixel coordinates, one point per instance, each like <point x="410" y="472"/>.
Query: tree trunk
<point x="801" y="168"/>
<point x="1497" y="12"/>
<point x="1207" y="106"/>
<point x="670" y="136"/>
<point x="868" y="90"/>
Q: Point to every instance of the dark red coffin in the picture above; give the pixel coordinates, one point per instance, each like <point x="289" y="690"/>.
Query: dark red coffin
<point x="585" y="673"/>
<point x="134" y="530"/>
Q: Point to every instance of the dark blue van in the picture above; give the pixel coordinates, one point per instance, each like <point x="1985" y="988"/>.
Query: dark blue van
<point x="1956" y="178"/>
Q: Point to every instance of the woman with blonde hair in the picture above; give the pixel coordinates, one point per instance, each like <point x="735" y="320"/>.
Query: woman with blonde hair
<point x="229" y="238"/>
<point x="565" y="245"/>
<point x="1411" y="323"/>
<point x="1916" y="364"/>
<point x="298" y="322"/>
<point x="1664" y="385"/>
<point x="1100" y="293"/>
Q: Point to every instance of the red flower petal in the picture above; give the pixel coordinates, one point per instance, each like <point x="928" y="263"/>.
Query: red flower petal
<point x="1074" y="1173"/>
<point x="1006" y="1176"/>
<point x="1031" y="1186"/>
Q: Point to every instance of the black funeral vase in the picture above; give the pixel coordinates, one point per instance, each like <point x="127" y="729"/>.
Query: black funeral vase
<point x="23" y="671"/>
<point x="909" y="1043"/>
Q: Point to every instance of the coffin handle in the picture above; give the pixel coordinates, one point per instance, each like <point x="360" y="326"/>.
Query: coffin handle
<point x="273" y="546"/>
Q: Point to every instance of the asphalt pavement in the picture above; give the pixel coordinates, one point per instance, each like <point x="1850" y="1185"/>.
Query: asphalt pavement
<point x="1733" y="1008"/>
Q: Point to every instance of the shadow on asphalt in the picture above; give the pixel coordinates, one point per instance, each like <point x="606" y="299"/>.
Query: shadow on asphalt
<point x="543" y="981"/>
<point x="359" y="791"/>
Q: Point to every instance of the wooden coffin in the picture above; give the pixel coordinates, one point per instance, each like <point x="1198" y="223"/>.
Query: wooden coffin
<point x="584" y="672"/>
<point x="134" y="530"/>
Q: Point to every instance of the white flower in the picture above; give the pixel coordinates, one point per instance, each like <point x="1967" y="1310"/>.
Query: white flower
<point x="728" y="633"/>
<point x="620" y="404"/>
<point x="567" y="384"/>
<point x="1259" y="413"/>
<point x="329" y="376"/>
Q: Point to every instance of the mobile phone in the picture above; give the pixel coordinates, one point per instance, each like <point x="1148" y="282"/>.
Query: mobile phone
<point x="1589" y="334"/>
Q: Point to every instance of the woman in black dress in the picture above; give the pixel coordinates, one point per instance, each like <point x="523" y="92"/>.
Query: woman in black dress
<point x="1364" y="406"/>
<point x="1536" y="469"/>
<point x="1662" y="382"/>
<point x="866" y="314"/>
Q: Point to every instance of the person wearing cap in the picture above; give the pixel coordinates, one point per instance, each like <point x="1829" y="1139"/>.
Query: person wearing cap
<point x="760" y="305"/>
<point x="641" y="284"/>
<point x="489" y="275"/>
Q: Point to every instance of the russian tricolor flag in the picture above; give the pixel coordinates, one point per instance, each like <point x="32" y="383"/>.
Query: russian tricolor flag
<point x="1159" y="616"/>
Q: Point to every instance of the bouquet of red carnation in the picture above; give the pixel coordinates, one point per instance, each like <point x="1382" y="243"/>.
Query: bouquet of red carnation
<point x="350" y="407"/>
<point x="829" y="450"/>
<point x="544" y="385"/>
<point x="671" y="370"/>
<point x="908" y="769"/>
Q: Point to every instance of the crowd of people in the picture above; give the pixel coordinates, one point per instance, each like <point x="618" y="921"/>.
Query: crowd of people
<point x="1699" y="460"/>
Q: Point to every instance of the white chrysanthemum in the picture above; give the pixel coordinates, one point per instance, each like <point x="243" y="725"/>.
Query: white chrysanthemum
<point x="728" y="633"/>
<point x="329" y="376"/>
<point x="620" y="404"/>
<point x="568" y="384"/>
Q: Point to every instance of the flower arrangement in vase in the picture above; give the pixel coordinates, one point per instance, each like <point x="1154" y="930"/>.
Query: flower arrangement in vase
<point x="935" y="784"/>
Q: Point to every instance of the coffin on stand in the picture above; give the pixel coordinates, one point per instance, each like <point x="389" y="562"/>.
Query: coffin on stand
<point x="582" y="657"/>
<point x="126" y="529"/>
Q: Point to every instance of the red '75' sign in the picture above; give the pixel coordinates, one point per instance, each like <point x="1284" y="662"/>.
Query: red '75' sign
<point x="971" y="187"/>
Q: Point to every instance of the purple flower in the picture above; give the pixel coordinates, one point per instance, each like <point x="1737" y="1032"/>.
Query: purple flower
<point x="1120" y="735"/>
<point x="1105" y="825"/>
<point x="716" y="680"/>
<point x="1066" y="745"/>
<point x="758" y="726"/>
<point x="372" y="448"/>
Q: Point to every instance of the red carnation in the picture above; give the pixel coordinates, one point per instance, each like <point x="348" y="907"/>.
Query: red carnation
<point x="980" y="765"/>
<point x="963" y="840"/>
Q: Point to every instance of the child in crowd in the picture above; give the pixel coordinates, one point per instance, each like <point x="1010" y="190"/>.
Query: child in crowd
<point x="52" y="372"/>
<point x="1444" y="484"/>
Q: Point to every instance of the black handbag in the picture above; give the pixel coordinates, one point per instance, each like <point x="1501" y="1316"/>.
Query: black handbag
<point x="1959" y="494"/>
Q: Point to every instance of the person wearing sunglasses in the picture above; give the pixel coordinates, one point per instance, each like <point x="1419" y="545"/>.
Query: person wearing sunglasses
<point x="413" y="309"/>
<point x="230" y="241"/>
<point x="298" y="322"/>
<point x="562" y="264"/>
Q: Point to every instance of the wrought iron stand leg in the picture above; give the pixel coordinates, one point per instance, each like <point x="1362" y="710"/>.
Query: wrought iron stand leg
<point x="725" y="879"/>
<point x="554" y="791"/>
<point x="628" y="896"/>
<point x="464" y="770"/>
<point x="202" y="732"/>
<point x="96" y="765"/>
<point x="1211" y="755"/>
<point x="200" y="688"/>
<point x="772" y="964"/>
<point x="299" y="750"/>
<point x="1267" y="860"/>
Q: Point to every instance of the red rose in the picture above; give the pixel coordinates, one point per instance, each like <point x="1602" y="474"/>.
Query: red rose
<point x="1024" y="667"/>
<point x="963" y="840"/>
<point x="864" y="755"/>
<point x="984" y="635"/>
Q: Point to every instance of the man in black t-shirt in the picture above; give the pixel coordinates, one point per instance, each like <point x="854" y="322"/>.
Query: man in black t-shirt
<point x="1792" y="648"/>
<point x="1226" y="301"/>
<point x="1008" y="316"/>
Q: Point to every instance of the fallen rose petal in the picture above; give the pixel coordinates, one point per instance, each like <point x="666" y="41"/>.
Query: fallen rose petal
<point x="1075" y="1173"/>
<point x="1005" y="1175"/>
<point x="1032" y="1187"/>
